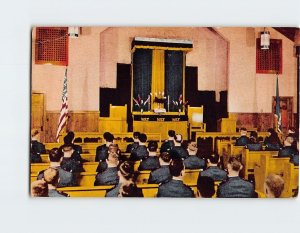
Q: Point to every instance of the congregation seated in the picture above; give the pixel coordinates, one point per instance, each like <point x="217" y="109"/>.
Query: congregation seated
<point x="66" y="178"/>
<point x="212" y="170"/>
<point x="110" y="175"/>
<point x="151" y="162"/>
<point x="253" y="144"/>
<point x="141" y="151"/>
<point x="162" y="174"/>
<point x="193" y="162"/>
<point x="36" y="148"/>
<point x="135" y="143"/>
<point x="289" y="151"/>
<point x="39" y="188"/>
<point x="71" y="161"/>
<point x="178" y="151"/>
<point x="112" y="148"/>
<point x="51" y="176"/>
<point x="272" y="142"/>
<point x="175" y="187"/>
<point x="274" y="185"/>
<point x="101" y="151"/>
<point x="126" y="178"/>
<point x="205" y="187"/>
<point x="243" y="140"/>
<point x="168" y="144"/>
<point x="234" y="186"/>
<point x="69" y="140"/>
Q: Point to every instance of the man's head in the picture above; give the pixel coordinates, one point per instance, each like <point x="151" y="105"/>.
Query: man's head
<point x="55" y="155"/>
<point x="39" y="188"/>
<point x="243" y="131"/>
<point x="213" y="159"/>
<point x="152" y="146"/>
<point x="205" y="186"/>
<point x="178" y="139"/>
<point x="171" y="134"/>
<point x="274" y="186"/>
<point x="108" y="137"/>
<point x="114" y="148"/>
<point x="164" y="158"/>
<point x="68" y="150"/>
<point x="69" y="138"/>
<point x="51" y="176"/>
<point x="234" y="166"/>
<point x="143" y="138"/>
<point x="112" y="159"/>
<point x="289" y="140"/>
<point x="253" y="136"/>
<point x="192" y="148"/>
<point x="176" y="168"/>
<point x="126" y="171"/>
<point x="35" y="134"/>
<point x="136" y="136"/>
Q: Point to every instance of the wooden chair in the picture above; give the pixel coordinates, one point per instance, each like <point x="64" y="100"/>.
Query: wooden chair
<point x="195" y="120"/>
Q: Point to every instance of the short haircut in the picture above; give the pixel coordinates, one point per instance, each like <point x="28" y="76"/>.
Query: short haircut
<point x="275" y="184"/>
<point x="127" y="170"/>
<point x="214" y="158"/>
<point x="143" y="138"/>
<point x="176" y="167"/>
<point x="206" y="186"/>
<point x="136" y="134"/>
<point x="34" y="132"/>
<point x="243" y="129"/>
<point x="290" y="138"/>
<point x="171" y="133"/>
<point x="51" y="176"/>
<point x="235" y="163"/>
<point x="113" y="148"/>
<point x="55" y="155"/>
<point x="39" y="188"/>
<point x="67" y="147"/>
<point x="113" y="158"/>
<point x="178" y="138"/>
<point x="105" y="135"/>
<point x="69" y="137"/>
<point x="109" y="137"/>
<point x="165" y="156"/>
<point x="152" y="146"/>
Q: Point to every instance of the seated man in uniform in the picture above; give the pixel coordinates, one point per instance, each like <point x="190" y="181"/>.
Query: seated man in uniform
<point x="141" y="151"/>
<point x="175" y="187"/>
<point x="212" y="170"/>
<point x="234" y="186"/>
<point x="66" y="178"/>
<point x="243" y="139"/>
<point x="51" y="176"/>
<point x="101" y="151"/>
<point x="110" y="175"/>
<point x="162" y="174"/>
<point x="71" y="160"/>
<point x="152" y="161"/>
<point x="289" y="151"/>
<point x="36" y="148"/>
<point x="178" y="151"/>
<point x="169" y="144"/>
<point x="253" y="144"/>
<point x="69" y="139"/>
<point x="193" y="162"/>
<point x="135" y="143"/>
<point x="205" y="187"/>
<point x="274" y="186"/>
<point x="39" y="188"/>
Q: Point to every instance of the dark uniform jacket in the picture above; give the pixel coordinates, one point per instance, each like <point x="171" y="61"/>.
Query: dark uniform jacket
<point x="131" y="147"/>
<point x="254" y="147"/>
<point x="55" y="193"/>
<point x="174" y="188"/>
<point x="101" y="153"/>
<point x="139" y="153"/>
<point x="216" y="173"/>
<point x="193" y="162"/>
<point x="295" y="160"/>
<point x="242" y="141"/>
<point x="287" y="151"/>
<point x="115" y="192"/>
<point x="37" y="147"/>
<point x="167" y="146"/>
<point x="35" y="158"/>
<point x="65" y="178"/>
<point x="150" y="163"/>
<point x="73" y="163"/>
<point x="108" y="177"/>
<point x="272" y="147"/>
<point x="178" y="152"/>
<point x="236" y="187"/>
<point x="160" y="175"/>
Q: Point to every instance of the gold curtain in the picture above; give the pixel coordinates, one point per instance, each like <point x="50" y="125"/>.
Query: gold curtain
<point x="158" y="75"/>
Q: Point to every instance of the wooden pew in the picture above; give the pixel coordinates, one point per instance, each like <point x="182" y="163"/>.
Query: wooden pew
<point x="87" y="166"/>
<point x="252" y="158"/>
<point x="267" y="166"/>
<point x="87" y="191"/>
<point x="222" y="147"/>
<point x="143" y="177"/>
<point x="88" y="157"/>
<point x="191" y="176"/>
<point x="149" y="190"/>
<point x="291" y="180"/>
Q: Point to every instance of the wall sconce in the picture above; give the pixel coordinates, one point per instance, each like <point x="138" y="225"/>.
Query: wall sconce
<point x="73" y="32"/>
<point x="264" y="39"/>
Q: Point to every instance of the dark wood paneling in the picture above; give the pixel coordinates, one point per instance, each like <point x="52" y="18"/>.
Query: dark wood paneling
<point x="261" y="121"/>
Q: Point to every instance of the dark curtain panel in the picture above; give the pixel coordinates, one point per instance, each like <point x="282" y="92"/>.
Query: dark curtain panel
<point x="173" y="77"/>
<point x="142" y="75"/>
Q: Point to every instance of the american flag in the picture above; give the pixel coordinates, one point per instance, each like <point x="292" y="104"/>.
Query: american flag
<point x="64" y="108"/>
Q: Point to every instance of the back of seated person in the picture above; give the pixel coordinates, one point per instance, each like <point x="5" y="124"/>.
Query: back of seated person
<point x="178" y="151"/>
<point x="272" y="142"/>
<point x="288" y="150"/>
<point x="151" y="162"/>
<point x="39" y="188"/>
<point x="253" y="144"/>
<point x="130" y="190"/>
<point x="274" y="185"/>
<point x="110" y="175"/>
<point x="168" y="144"/>
<point x="71" y="162"/>
<point x="193" y="162"/>
<point x="69" y="139"/>
<point x="212" y="170"/>
<point x="205" y="187"/>
<point x="101" y="151"/>
<point x="51" y="176"/>
<point x="135" y="143"/>
<point x="112" y="148"/>
<point x="141" y="151"/>
<point x="162" y="174"/>
<point x="243" y="139"/>
<point x="36" y="148"/>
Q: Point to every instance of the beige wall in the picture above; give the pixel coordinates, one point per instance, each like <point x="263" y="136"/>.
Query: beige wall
<point x="249" y="92"/>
